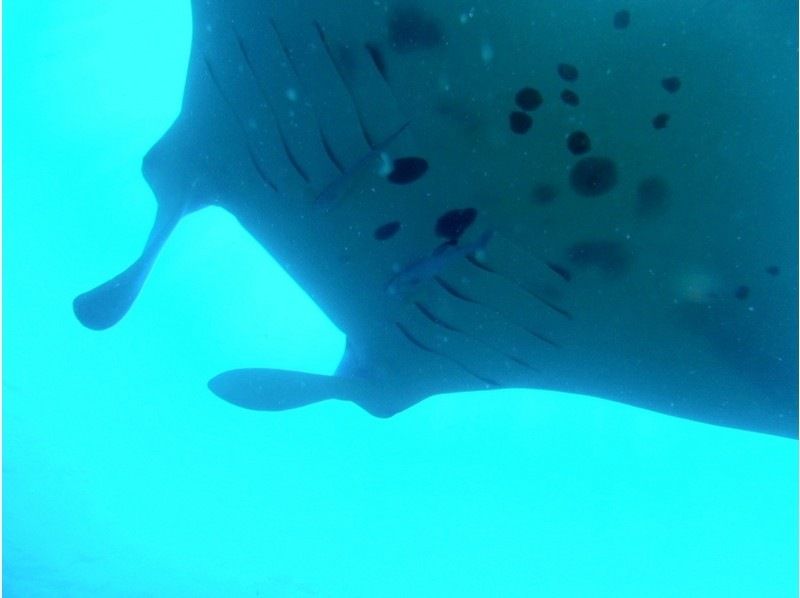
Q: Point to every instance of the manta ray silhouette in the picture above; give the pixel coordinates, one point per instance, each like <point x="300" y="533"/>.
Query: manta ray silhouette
<point x="476" y="211"/>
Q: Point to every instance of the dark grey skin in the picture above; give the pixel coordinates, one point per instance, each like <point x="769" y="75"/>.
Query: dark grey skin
<point x="677" y="295"/>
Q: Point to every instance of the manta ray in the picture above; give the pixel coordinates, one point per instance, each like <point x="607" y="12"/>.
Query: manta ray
<point x="590" y="199"/>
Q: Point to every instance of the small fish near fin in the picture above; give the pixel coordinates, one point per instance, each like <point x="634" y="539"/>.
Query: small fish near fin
<point x="106" y="304"/>
<point x="278" y="390"/>
<point x="428" y="268"/>
<point x="336" y="189"/>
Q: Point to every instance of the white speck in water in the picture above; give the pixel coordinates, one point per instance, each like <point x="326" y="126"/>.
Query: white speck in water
<point x="487" y="52"/>
<point x="291" y="94"/>
<point x="466" y="15"/>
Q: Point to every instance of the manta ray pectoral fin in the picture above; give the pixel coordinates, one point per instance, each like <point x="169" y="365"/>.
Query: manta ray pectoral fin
<point x="277" y="390"/>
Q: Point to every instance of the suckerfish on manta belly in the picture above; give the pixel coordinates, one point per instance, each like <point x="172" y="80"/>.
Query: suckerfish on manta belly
<point x="558" y="195"/>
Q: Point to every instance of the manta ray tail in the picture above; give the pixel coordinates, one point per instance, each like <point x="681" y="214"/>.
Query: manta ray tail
<point x="105" y="305"/>
<point x="277" y="390"/>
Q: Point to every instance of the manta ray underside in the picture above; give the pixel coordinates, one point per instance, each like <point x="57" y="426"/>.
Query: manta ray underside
<point x="567" y="196"/>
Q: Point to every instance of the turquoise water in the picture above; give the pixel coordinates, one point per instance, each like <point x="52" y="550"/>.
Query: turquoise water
<point x="124" y="476"/>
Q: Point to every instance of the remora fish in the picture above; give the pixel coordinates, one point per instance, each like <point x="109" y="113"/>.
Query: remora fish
<point x="426" y="269"/>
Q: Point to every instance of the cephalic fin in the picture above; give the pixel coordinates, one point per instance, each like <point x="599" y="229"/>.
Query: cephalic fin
<point x="278" y="390"/>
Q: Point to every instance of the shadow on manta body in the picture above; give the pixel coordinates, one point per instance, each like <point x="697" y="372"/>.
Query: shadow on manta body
<point x="474" y="212"/>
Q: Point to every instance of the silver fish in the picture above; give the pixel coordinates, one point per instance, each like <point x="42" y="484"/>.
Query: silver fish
<point x="335" y="190"/>
<point x="427" y="268"/>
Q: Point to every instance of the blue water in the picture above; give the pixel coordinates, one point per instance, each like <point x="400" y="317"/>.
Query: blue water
<point x="124" y="476"/>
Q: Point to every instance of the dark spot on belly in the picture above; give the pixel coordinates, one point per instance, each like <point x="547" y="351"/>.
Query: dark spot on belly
<point x="451" y="225"/>
<point x="578" y="143"/>
<point x="411" y="29"/>
<point x="386" y="231"/>
<point x="377" y="59"/>
<point x="570" y="98"/>
<point x="612" y="258"/>
<point x="622" y="18"/>
<point x="592" y="177"/>
<point x="545" y="193"/>
<point x="660" y="120"/>
<point x="528" y="99"/>
<point x="407" y="170"/>
<point x="742" y="292"/>
<point x="567" y="72"/>
<point x="671" y="84"/>
<point x="652" y="195"/>
<point x="773" y="270"/>
<point x="519" y="122"/>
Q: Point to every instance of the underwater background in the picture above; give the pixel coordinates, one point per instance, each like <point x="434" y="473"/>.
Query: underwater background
<point x="124" y="476"/>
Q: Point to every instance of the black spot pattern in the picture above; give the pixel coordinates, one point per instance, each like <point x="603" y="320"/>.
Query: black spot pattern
<point x="452" y="224"/>
<point x="519" y="122"/>
<point x="742" y="292"/>
<point x="773" y="270"/>
<point x="652" y="195"/>
<point x="612" y="258"/>
<point x="660" y="120"/>
<point x="567" y="72"/>
<point x="386" y="231"/>
<point x="570" y="98"/>
<point x="592" y="177"/>
<point x="544" y="193"/>
<point x="622" y="18"/>
<point x="671" y="84"/>
<point x="407" y="170"/>
<point x="578" y="143"/>
<point x="528" y="99"/>
<point x="411" y="29"/>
